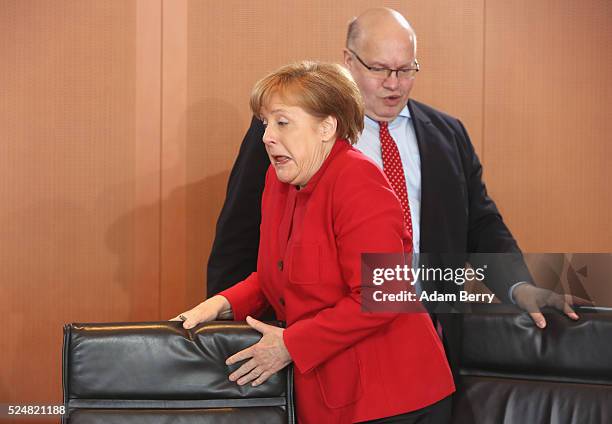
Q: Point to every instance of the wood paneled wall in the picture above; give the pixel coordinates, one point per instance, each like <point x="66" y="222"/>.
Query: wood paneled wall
<point x="119" y="122"/>
<point x="547" y="131"/>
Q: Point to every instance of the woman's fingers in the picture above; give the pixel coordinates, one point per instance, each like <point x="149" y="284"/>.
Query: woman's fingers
<point x="191" y="319"/>
<point x="243" y="354"/>
<point x="243" y="370"/>
<point x="254" y="374"/>
<point x="266" y="357"/>
<point x="194" y="316"/>
<point x="262" y="378"/>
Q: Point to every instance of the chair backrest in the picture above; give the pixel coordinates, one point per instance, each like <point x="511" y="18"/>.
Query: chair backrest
<point x="514" y="372"/>
<point x="158" y="372"/>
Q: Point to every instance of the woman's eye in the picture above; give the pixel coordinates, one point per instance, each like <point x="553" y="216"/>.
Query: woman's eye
<point x="282" y="123"/>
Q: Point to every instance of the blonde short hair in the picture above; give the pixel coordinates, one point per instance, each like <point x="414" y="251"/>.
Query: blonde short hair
<point x="321" y="89"/>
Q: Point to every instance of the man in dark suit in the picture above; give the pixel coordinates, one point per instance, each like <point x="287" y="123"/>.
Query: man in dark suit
<point x="453" y="218"/>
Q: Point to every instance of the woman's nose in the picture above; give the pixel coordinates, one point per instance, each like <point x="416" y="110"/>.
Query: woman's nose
<point x="268" y="136"/>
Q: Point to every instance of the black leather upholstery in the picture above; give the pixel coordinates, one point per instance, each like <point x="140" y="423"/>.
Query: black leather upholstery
<point x="513" y="372"/>
<point x="161" y="373"/>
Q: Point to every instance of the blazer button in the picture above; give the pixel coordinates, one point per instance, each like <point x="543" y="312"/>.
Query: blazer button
<point x="282" y="301"/>
<point x="280" y="265"/>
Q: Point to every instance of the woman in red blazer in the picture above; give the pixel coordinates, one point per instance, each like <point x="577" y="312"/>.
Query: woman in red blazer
<point x="323" y="205"/>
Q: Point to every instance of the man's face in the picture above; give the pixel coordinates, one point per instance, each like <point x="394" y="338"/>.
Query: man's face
<point x="384" y="97"/>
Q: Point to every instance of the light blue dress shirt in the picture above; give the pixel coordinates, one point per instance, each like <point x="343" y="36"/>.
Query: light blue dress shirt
<point x="402" y="131"/>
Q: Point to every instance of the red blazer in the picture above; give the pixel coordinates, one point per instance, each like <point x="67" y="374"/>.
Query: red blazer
<point x="349" y="366"/>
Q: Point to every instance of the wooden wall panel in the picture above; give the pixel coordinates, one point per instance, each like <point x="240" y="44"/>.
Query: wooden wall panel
<point x="145" y="286"/>
<point x="79" y="179"/>
<point x="547" y="128"/>
<point x="174" y="231"/>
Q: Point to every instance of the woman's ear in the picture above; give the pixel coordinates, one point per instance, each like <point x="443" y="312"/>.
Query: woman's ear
<point x="328" y="128"/>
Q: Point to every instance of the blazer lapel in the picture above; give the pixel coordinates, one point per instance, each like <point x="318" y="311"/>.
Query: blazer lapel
<point x="424" y="131"/>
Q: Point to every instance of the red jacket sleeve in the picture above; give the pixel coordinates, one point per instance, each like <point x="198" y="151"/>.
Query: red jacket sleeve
<point x="367" y="219"/>
<point x="246" y="298"/>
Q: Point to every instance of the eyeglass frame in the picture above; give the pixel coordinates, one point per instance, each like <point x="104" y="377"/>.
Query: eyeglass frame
<point x="389" y="70"/>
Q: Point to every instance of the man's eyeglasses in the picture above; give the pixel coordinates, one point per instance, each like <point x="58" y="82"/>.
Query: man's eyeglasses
<point x="384" y="73"/>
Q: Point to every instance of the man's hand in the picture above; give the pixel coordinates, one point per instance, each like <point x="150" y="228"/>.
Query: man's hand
<point x="268" y="355"/>
<point x="532" y="299"/>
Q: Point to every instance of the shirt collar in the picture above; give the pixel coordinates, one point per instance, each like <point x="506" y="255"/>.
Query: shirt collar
<point x="404" y="114"/>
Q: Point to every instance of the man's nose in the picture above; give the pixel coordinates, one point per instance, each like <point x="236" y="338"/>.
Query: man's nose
<point x="392" y="81"/>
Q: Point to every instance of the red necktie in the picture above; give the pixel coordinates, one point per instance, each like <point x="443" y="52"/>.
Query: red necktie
<point x="392" y="165"/>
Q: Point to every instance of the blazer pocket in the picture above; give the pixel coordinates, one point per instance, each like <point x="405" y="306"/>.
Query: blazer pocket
<point x="340" y="379"/>
<point x="305" y="263"/>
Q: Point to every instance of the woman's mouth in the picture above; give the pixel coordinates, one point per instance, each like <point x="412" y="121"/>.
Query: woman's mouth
<point x="280" y="159"/>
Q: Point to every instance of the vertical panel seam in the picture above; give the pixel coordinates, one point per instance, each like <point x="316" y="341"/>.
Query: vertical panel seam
<point x="161" y="151"/>
<point x="484" y="80"/>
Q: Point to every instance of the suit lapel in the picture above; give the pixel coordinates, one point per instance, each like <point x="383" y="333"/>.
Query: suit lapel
<point x="425" y="132"/>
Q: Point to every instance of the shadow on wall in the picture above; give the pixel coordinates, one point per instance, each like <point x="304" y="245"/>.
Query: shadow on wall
<point x="138" y="256"/>
<point x="69" y="254"/>
<point x="54" y="270"/>
<point x="61" y="262"/>
<point x="184" y="221"/>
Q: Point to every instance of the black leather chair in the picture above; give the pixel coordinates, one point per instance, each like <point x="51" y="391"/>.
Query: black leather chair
<point x="514" y="373"/>
<point x="161" y="373"/>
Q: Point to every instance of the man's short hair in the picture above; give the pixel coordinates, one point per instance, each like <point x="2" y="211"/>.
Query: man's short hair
<point x="352" y="33"/>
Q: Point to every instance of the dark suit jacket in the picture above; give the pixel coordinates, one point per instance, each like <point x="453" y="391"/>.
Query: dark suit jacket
<point x="459" y="221"/>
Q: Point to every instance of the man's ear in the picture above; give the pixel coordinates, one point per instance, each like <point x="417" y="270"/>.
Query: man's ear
<point x="348" y="58"/>
<point x="328" y="128"/>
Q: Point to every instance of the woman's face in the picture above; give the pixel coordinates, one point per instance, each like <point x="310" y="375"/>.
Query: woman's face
<point x="297" y="142"/>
